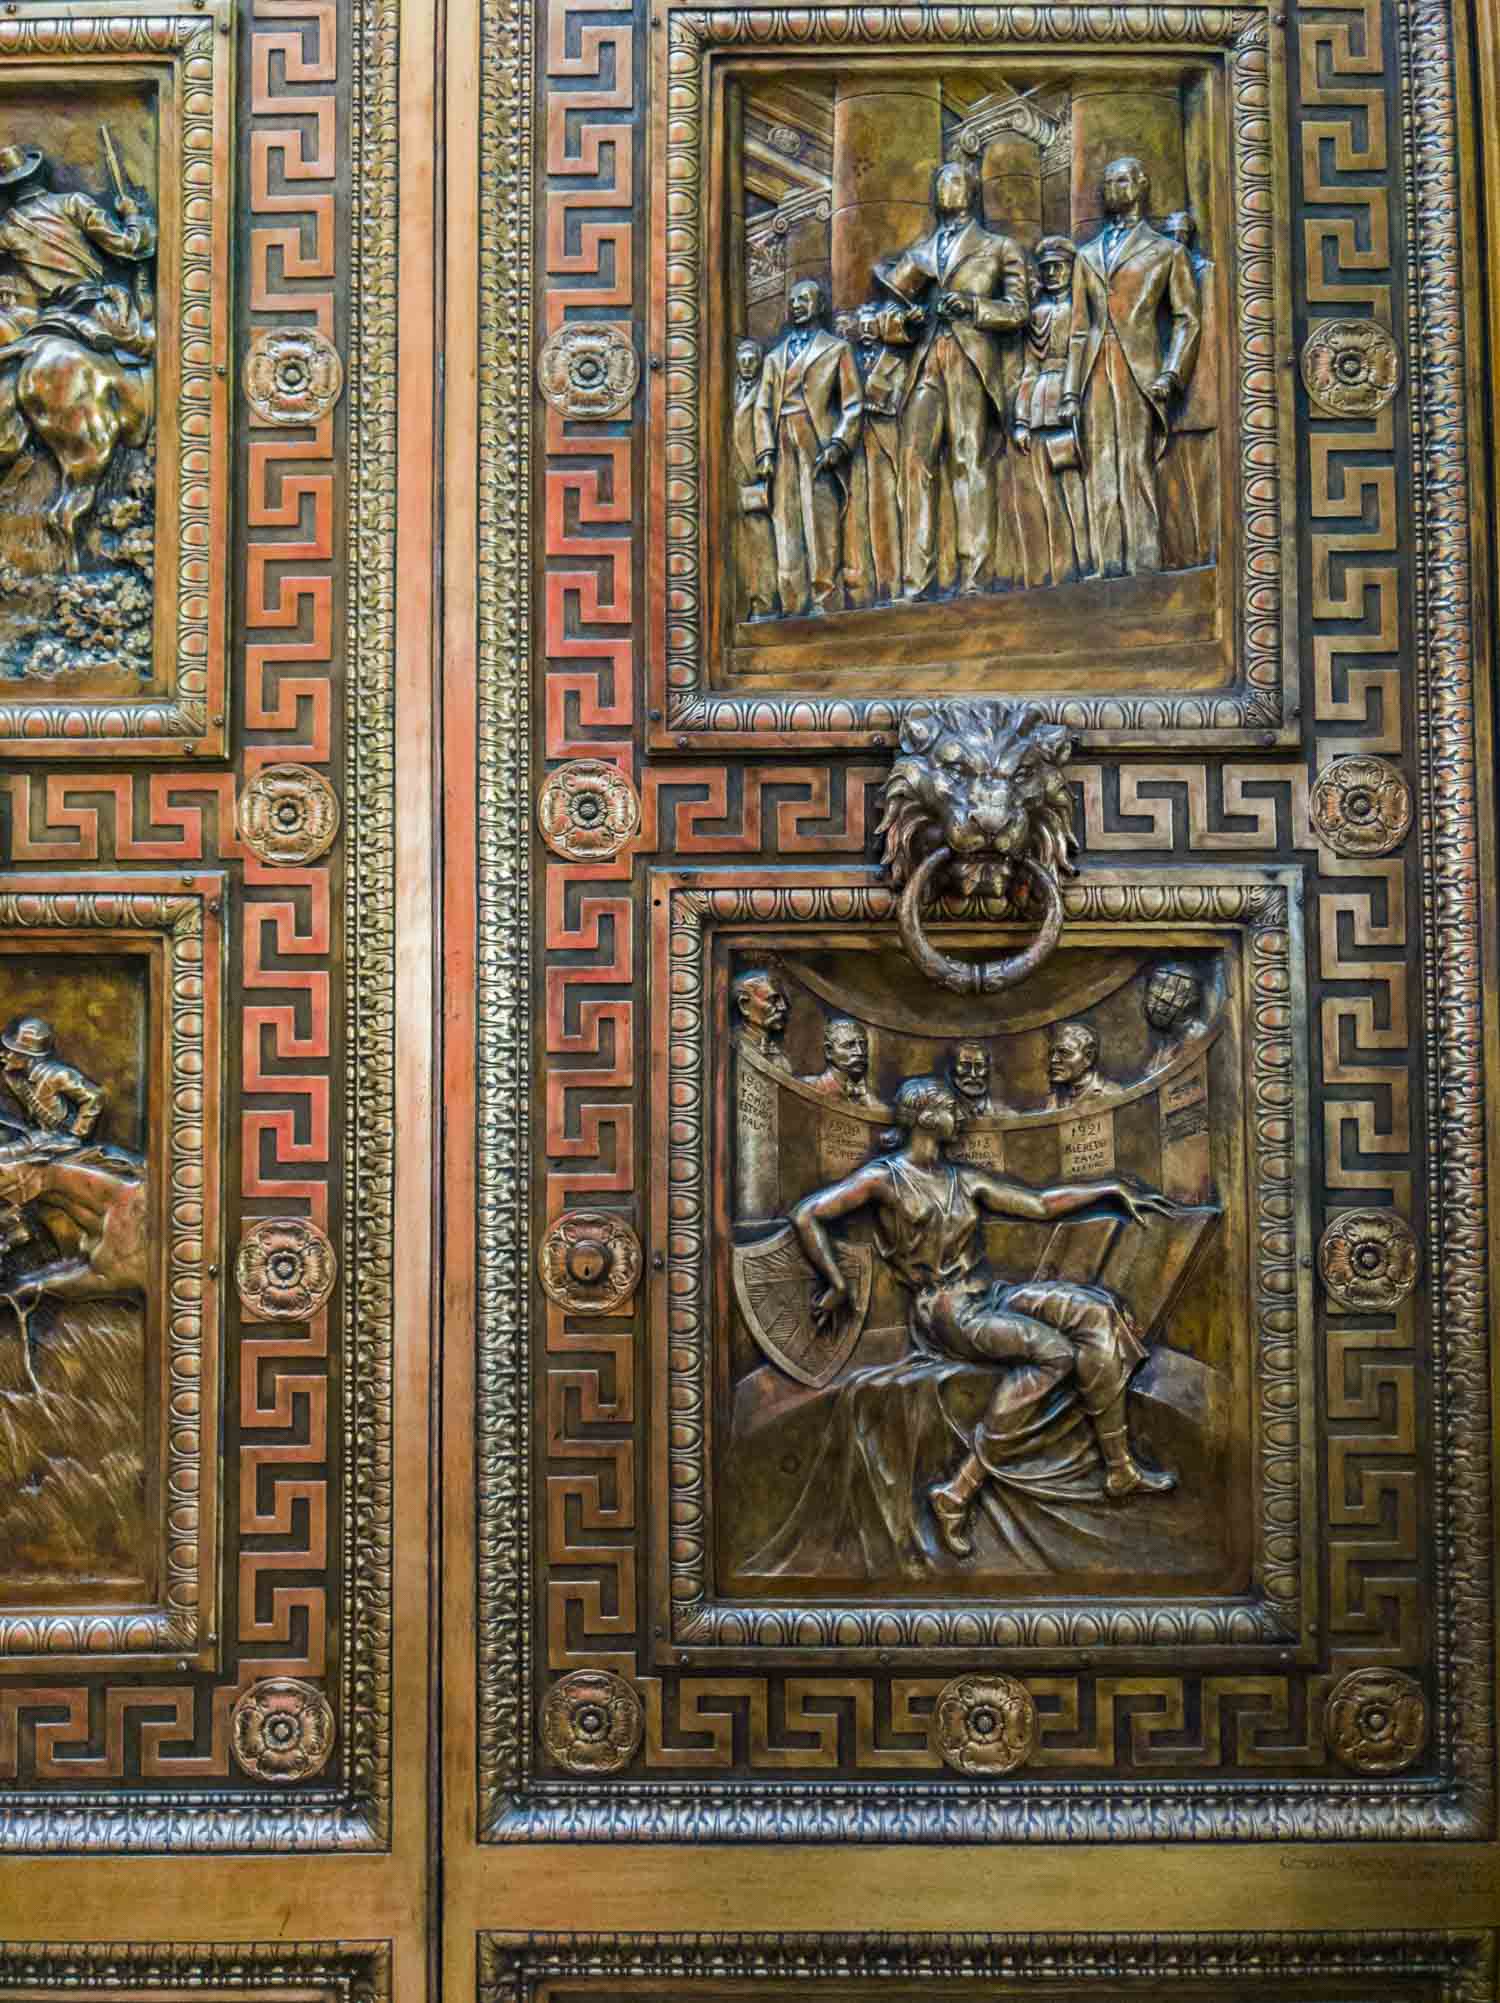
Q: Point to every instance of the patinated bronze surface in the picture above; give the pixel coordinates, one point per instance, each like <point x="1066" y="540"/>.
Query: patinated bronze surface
<point x="766" y="733"/>
<point x="1034" y="1028"/>
<point x="1001" y="284"/>
<point x="195" y="1376"/>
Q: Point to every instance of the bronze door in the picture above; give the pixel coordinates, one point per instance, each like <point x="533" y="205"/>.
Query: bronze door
<point x="214" y="1562"/>
<point x="746" y="895"/>
<point x="970" y="737"/>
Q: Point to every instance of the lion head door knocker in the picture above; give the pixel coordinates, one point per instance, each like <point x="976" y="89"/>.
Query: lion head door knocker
<point x="978" y="806"/>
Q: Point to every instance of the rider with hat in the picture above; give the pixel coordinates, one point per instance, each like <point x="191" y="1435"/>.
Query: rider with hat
<point x="55" y="237"/>
<point x="61" y="1105"/>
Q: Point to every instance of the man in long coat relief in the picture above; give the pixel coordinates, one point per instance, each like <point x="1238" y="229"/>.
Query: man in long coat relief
<point x="807" y="421"/>
<point x="968" y="291"/>
<point x="1127" y="283"/>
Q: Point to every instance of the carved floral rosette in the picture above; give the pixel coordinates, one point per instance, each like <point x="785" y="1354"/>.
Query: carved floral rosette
<point x="1361" y="806"/>
<point x="282" y="1729"/>
<point x="1369" y="1260"/>
<point x="293" y="375"/>
<point x="1351" y="367"/>
<point x="288" y="815"/>
<point x="587" y="810"/>
<point x="286" y="1269"/>
<point x="588" y="369"/>
<point x="1376" y="1721"/>
<point x="984" y="1725"/>
<point x="592" y="1722"/>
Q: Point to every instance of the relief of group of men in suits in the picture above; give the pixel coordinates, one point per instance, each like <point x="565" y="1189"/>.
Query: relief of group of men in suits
<point x="868" y="454"/>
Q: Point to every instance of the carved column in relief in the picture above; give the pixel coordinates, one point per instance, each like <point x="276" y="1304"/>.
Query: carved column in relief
<point x="1057" y="183"/>
<point x="1144" y="121"/>
<point x="887" y="144"/>
<point x="761" y="1004"/>
<point x="806" y="220"/>
<point x="1011" y="175"/>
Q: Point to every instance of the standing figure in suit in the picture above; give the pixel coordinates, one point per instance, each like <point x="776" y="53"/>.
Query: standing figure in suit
<point x="872" y="528"/>
<point x="966" y="290"/>
<point x="807" y="421"/>
<point x="1040" y="433"/>
<point x="755" y="549"/>
<point x="1120" y="378"/>
<point x="1191" y="467"/>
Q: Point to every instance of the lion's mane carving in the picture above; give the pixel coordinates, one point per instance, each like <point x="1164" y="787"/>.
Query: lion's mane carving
<point x="985" y="780"/>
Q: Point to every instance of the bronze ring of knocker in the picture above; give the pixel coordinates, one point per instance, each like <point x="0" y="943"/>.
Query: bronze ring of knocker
<point x="975" y="977"/>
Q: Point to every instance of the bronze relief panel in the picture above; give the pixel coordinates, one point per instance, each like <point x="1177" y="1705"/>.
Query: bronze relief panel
<point x="975" y="363"/>
<point x="109" y="1217"/>
<point x="115" y="205"/>
<point x="983" y="1351"/>
<point x="1311" y="1967"/>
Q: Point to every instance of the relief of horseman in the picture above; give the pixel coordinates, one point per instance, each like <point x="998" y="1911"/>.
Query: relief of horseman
<point x="74" y="1207"/>
<point x="78" y="379"/>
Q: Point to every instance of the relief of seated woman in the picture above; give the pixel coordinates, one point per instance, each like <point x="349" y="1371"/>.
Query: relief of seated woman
<point x="928" y="1217"/>
<point x="1062" y="1357"/>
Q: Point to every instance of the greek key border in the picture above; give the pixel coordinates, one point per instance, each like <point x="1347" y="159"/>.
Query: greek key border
<point x="509" y="228"/>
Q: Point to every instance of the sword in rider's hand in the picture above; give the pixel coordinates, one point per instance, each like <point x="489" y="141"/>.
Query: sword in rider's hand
<point x="127" y="208"/>
<point x="123" y="204"/>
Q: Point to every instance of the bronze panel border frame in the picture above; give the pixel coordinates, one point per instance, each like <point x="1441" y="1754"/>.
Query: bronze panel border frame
<point x="193" y="281"/>
<point x="186" y="916"/>
<point x="689" y="708"/>
<point x="335" y="1971"/>
<point x="1262" y="906"/>
<point x="1429" y="1967"/>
